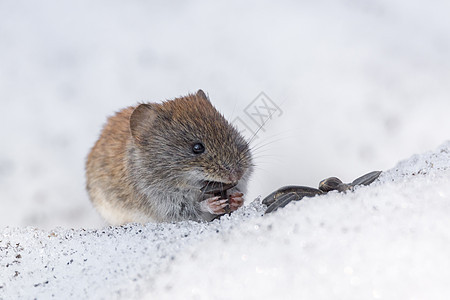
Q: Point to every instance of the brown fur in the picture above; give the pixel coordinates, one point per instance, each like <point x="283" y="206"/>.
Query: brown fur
<point x="142" y="167"/>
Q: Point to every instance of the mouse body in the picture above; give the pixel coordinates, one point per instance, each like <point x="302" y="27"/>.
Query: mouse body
<point x="158" y="162"/>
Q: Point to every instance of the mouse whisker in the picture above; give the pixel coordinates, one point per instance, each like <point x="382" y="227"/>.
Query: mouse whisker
<point x="259" y="128"/>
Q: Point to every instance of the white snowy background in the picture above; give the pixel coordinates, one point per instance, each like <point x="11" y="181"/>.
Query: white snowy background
<point x="362" y="86"/>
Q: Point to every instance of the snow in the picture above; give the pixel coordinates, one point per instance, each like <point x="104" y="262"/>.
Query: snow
<point x="361" y="85"/>
<point x="389" y="240"/>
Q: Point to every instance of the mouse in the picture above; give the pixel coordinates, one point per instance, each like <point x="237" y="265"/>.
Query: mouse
<point x="177" y="160"/>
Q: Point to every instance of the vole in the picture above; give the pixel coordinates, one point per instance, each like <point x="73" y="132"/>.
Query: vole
<point x="167" y="162"/>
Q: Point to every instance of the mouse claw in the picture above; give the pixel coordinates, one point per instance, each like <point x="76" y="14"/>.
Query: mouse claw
<point x="214" y="205"/>
<point x="235" y="201"/>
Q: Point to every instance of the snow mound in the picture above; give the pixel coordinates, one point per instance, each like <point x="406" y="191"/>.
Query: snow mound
<point x="387" y="240"/>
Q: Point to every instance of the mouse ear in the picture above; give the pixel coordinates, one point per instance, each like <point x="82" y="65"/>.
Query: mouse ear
<point x="141" y="120"/>
<point x="201" y="94"/>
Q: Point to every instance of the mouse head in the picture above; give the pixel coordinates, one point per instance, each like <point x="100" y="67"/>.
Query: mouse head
<point x="187" y="141"/>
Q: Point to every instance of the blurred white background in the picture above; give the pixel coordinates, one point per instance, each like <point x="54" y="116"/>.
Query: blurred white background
<point x="362" y="85"/>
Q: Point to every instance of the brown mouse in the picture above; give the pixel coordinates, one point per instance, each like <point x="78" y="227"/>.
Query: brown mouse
<point x="168" y="162"/>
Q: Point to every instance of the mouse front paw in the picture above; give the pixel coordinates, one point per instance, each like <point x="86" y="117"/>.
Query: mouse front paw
<point x="219" y="206"/>
<point x="235" y="201"/>
<point x="214" y="205"/>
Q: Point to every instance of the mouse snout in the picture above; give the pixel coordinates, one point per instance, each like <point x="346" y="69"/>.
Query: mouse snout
<point x="235" y="175"/>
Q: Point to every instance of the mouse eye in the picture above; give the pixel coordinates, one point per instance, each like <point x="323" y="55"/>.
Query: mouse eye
<point x="198" y="148"/>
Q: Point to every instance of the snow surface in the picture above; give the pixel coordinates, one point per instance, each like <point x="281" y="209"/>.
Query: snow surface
<point x="390" y="240"/>
<point x="362" y="84"/>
